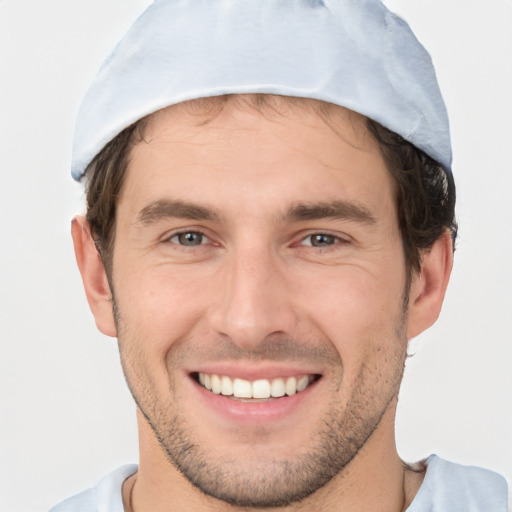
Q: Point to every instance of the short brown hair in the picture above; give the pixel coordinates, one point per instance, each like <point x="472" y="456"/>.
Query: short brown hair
<point x="425" y="191"/>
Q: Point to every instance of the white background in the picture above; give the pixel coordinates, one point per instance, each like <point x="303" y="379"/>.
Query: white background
<point x="65" y="415"/>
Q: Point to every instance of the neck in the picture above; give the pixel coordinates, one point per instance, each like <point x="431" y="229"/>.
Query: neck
<point x="375" y="480"/>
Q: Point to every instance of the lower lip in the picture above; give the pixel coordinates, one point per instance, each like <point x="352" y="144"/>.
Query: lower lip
<point x="255" y="412"/>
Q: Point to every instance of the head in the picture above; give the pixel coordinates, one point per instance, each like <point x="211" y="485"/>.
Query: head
<point x="263" y="252"/>
<point x="232" y="264"/>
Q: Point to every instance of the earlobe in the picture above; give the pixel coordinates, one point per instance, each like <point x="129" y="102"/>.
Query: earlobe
<point x="94" y="278"/>
<point x="428" y="288"/>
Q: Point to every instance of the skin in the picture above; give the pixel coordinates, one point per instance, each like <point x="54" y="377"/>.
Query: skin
<point x="258" y="297"/>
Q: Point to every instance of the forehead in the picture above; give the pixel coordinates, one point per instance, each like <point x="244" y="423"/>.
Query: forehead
<point x="254" y="143"/>
<point x="205" y="111"/>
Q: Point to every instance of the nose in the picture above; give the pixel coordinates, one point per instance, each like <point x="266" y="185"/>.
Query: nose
<point x="254" y="300"/>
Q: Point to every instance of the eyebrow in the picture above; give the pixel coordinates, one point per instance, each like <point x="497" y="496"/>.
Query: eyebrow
<point x="330" y="210"/>
<point x="164" y="209"/>
<point x="167" y="208"/>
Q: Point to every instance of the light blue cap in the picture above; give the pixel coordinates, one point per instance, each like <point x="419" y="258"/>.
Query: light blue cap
<point x="352" y="53"/>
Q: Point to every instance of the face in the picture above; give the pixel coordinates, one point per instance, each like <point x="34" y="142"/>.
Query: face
<point x="259" y="285"/>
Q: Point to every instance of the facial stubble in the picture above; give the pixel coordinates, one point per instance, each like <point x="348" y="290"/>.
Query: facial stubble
<point x="268" y="482"/>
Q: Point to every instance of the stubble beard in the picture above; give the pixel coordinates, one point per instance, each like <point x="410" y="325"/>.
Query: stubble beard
<point x="272" y="482"/>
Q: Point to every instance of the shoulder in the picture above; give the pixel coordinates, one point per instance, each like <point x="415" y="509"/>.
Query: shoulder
<point x="450" y="487"/>
<point x="104" y="497"/>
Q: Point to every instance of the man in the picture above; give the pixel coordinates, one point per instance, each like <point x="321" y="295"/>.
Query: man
<point x="270" y="219"/>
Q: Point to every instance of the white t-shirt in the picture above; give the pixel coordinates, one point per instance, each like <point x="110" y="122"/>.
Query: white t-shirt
<point x="447" y="487"/>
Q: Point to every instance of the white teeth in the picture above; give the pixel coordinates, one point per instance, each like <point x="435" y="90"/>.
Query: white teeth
<point x="216" y="385"/>
<point x="227" y="386"/>
<point x="261" y="388"/>
<point x="291" y="386"/>
<point x="242" y="388"/>
<point x="302" y="383"/>
<point x="277" y="389"/>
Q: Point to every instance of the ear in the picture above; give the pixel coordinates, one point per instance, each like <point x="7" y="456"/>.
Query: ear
<point x="429" y="286"/>
<point x="94" y="276"/>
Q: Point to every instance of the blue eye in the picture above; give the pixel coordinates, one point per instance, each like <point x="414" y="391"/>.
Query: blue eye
<point x="188" y="239"/>
<point x="320" y="240"/>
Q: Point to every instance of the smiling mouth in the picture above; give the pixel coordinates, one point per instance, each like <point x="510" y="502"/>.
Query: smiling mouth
<point x="237" y="388"/>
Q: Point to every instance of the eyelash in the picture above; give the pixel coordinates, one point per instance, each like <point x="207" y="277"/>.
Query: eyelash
<point x="333" y="240"/>
<point x="200" y="235"/>
<point x="328" y="237"/>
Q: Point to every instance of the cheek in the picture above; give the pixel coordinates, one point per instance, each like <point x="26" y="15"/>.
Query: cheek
<point x="157" y="314"/>
<point x="360" y="312"/>
<point x="160" y="306"/>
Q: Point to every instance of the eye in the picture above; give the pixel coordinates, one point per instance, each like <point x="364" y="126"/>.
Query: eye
<point x="189" y="239"/>
<point x="320" y="240"/>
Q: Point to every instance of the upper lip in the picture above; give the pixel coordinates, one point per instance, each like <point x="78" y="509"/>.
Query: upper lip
<point x="251" y="372"/>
